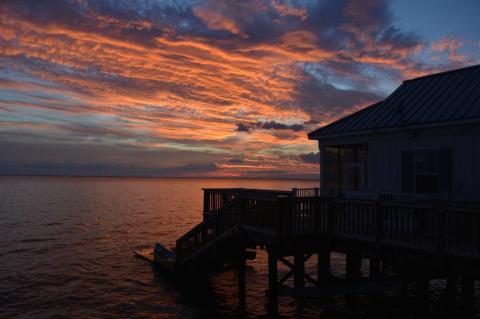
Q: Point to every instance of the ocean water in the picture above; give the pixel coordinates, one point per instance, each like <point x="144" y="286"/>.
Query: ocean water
<point x="66" y="252"/>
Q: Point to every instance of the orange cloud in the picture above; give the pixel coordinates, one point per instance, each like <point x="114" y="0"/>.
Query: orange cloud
<point x="216" y="21"/>
<point x="141" y="83"/>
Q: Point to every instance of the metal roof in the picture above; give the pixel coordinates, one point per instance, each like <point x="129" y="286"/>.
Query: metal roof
<point x="439" y="98"/>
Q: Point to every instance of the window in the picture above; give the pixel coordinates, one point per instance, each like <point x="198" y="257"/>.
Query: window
<point x="346" y="167"/>
<point x="427" y="179"/>
<point x="332" y="165"/>
<point x="356" y="167"/>
<point x="427" y="171"/>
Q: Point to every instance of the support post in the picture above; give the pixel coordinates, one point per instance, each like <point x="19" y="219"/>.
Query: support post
<point x="374" y="267"/>
<point x="323" y="265"/>
<point x="298" y="270"/>
<point x="272" y="283"/>
<point x="353" y="265"/>
<point x="451" y="294"/>
<point x="422" y="285"/>
<point x="241" y="282"/>
<point x="467" y="295"/>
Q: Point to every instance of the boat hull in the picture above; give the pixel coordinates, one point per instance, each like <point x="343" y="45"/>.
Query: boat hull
<point x="160" y="257"/>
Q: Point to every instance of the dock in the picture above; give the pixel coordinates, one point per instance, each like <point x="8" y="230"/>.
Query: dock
<point x="421" y="240"/>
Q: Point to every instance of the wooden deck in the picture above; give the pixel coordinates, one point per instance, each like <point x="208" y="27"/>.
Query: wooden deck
<point x="440" y="238"/>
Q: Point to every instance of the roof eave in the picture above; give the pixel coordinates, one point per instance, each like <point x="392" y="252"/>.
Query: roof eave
<point x="319" y="137"/>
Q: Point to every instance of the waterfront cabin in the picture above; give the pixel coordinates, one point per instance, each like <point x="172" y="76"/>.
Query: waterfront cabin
<point x="422" y="141"/>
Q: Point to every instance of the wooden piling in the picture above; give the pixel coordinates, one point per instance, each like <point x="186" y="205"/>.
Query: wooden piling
<point x="298" y="270"/>
<point x="422" y="286"/>
<point x="323" y="265"/>
<point x="272" y="282"/>
<point x="241" y="283"/>
<point x="353" y="265"/>
<point x="467" y="295"/>
<point x="451" y="294"/>
<point x="374" y="267"/>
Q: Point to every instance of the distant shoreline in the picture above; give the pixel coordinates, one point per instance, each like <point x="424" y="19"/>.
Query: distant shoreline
<point x="166" y="177"/>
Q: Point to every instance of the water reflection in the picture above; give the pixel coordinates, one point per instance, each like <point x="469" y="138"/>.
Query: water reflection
<point x="66" y="247"/>
<point x="66" y="250"/>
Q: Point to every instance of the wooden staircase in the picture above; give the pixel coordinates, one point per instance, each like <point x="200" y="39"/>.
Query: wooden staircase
<point x="207" y="244"/>
<point x="220" y="236"/>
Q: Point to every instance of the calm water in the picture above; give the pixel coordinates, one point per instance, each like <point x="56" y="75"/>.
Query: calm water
<point x="65" y="251"/>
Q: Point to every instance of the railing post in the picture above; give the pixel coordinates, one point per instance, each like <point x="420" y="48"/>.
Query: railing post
<point x="441" y="231"/>
<point x="375" y="260"/>
<point x="279" y="217"/>
<point x="195" y="241"/>
<point x="330" y="220"/>
<point x="284" y="214"/>
<point x="205" y="201"/>
<point x="317" y="216"/>
<point x="241" y="203"/>
<point x="378" y="223"/>
<point x="224" y="199"/>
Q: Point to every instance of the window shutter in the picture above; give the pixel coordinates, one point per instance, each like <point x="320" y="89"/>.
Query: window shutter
<point x="445" y="169"/>
<point x="407" y="172"/>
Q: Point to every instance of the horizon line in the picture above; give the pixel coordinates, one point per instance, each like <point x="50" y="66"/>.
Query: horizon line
<point x="165" y="177"/>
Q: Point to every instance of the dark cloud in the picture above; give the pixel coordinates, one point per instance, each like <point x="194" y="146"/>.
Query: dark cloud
<point x="49" y="156"/>
<point x="323" y="100"/>
<point x="270" y="125"/>
<point x="101" y="169"/>
<point x="284" y="135"/>
<point x="242" y="128"/>
<point x="64" y="12"/>
<point x="259" y="20"/>
<point x="193" y="168"/>
<point x="312" y="158"/>
<point x="236" y="160"/>
<point x="335" y="24"/>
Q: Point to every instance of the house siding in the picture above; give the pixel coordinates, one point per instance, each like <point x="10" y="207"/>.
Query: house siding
<point x="385" y="156"/>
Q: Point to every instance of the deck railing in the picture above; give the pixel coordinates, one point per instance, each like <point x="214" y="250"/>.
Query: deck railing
<point x="420" y="226"/>
<point x="216" y="198"/>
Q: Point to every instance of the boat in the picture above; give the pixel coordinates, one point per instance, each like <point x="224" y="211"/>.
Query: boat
<point x="164" y="257"/>
<point x="159" y="256"/>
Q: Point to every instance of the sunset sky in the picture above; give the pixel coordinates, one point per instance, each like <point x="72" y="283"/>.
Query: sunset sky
<point x="206" y="88"/>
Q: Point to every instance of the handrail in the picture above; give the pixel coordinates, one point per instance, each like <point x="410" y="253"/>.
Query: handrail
<point x="204" y="247"/>
<point x="248" y="189"/>
<point x="208" y="219"/>
<point x="216" y="198"/>
<point x="250" y="204"/>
